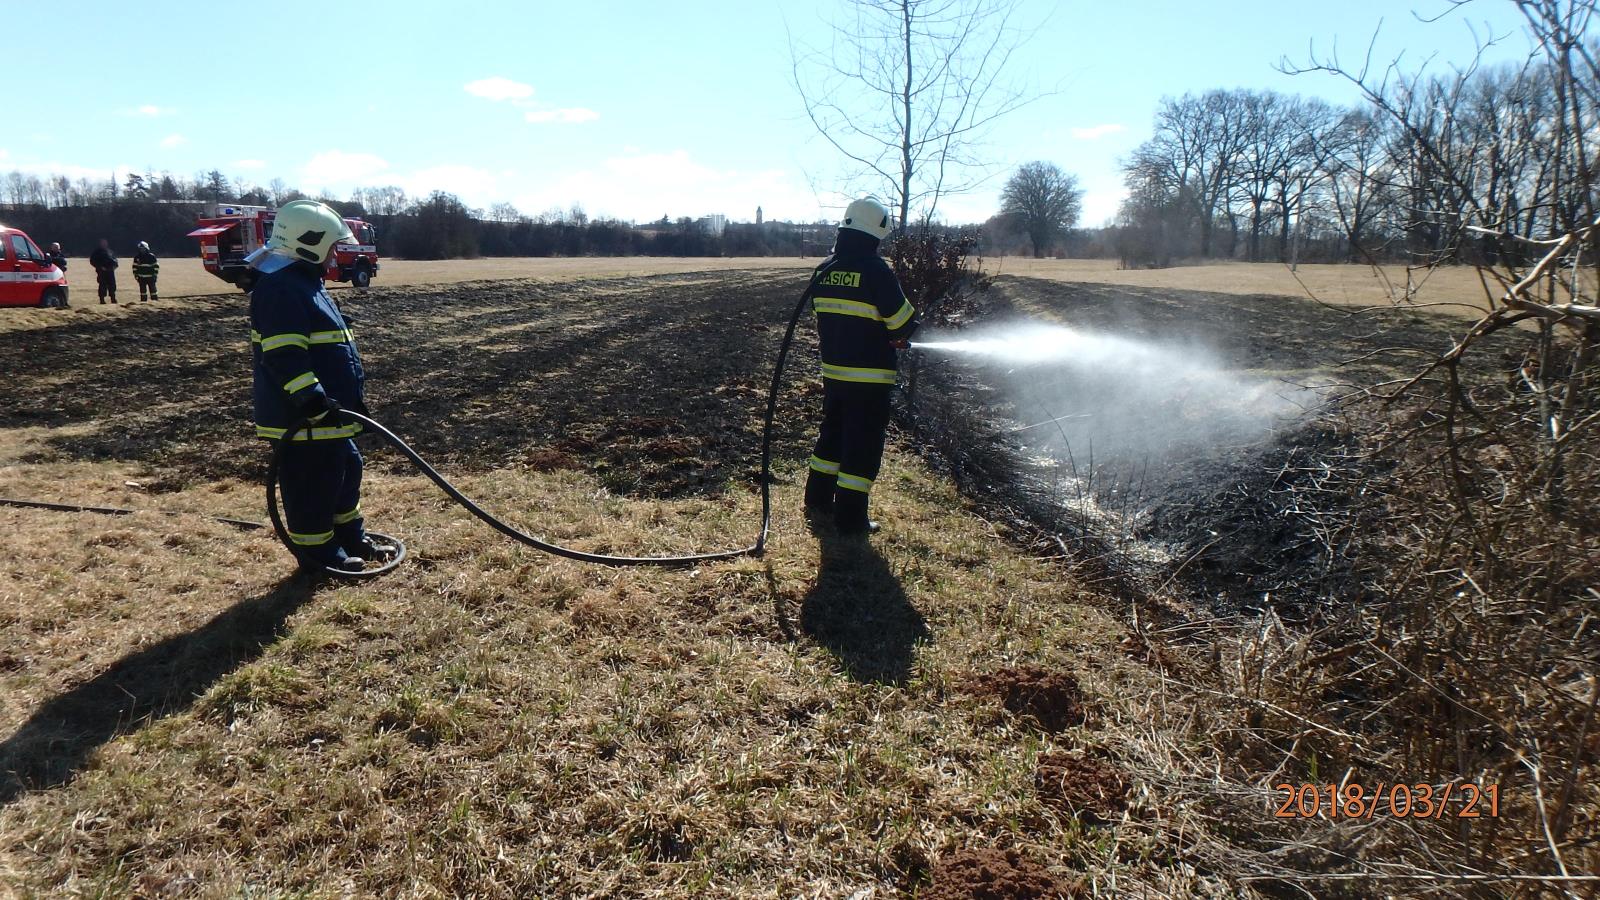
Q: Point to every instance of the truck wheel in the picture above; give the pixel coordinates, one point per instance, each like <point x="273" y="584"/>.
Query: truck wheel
<point x="53" y="298"/>
<point x="361" y="276"/>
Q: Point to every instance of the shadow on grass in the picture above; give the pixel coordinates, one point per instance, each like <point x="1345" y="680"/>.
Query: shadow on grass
<point x="165" y="678"/>
<point x="858" y="611"/>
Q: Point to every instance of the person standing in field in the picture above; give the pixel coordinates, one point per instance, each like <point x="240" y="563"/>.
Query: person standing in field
<point x="105" y="271"/>
<point x="863" y="316"/>
<point x="57" y="258"/>
<point x="145" y="269"/>
<point x="307" y="370"/>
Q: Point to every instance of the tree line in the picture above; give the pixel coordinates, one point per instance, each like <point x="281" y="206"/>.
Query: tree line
<point x="162" y="209"/>
<point x="1451" y="168"/>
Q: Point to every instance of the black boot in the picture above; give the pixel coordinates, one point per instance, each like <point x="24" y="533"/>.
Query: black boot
<point x="850" y="514"/>
<point x="819" y="492"/>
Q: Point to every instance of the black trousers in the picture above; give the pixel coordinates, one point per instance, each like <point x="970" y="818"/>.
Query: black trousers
<point x="147" y="285"/>
<point x="322" y="498"/>
<point x="106" y="283"/>
<point x="849" y="449"/>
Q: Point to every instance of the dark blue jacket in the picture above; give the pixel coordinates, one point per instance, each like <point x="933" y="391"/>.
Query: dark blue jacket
<point x="860" y="309"/>
<point x="302" y="346"/>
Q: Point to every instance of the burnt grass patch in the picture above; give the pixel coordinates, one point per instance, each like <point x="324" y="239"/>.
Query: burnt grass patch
<point x="1229" y="530"/>
<point x="477" y="377"/>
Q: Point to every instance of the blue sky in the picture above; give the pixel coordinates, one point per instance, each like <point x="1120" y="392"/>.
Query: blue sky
<point x="633" y="109"/>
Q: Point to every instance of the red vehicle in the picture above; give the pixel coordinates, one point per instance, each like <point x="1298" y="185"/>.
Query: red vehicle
<point x="233" y="232"/>
<point x="27" y="276"/>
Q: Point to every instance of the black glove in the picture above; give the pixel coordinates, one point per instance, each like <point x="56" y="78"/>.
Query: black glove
<point x="321" y="411"/>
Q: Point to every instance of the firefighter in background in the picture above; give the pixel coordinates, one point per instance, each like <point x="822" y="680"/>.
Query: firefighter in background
<point x="145" y="269"/>
<point x="104" y="263"/>
<point x="307" y="369"/>
<point x="862" y="318"/>
<point x="57" y="258"/>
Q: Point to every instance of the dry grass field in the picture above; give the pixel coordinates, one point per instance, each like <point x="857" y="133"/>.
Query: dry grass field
<point x="925" y="715"/>
<point x="1337" y="284"/>
<point x="181" y="717"/>
<point x="1454" y="289"/>
<point x="185" y="277"/>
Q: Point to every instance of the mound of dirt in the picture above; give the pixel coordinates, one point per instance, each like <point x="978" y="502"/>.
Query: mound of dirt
<point x="1081" y="786"/>
<point x="994" y="875"/>
<point x="1050" y="698"/>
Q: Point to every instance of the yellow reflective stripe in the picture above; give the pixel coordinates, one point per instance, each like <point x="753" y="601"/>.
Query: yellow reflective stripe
<point x="288" y="339"/>
<point x="301" y="382"/>
<point x="317" y="434"/>
<point x="825" y="466"/>
<point x="901" y="315"/>
<point x="332" y="337"/>
<point x="311" y="540"/>
<point x="855" y="483"/>
<point x="864" y="376"/>
<point x="844" y="307"/>
<point x="345" y="518"/>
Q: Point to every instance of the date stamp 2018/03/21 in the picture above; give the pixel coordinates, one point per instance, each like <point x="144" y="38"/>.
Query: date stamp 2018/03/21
<point x="1351" y="800"/>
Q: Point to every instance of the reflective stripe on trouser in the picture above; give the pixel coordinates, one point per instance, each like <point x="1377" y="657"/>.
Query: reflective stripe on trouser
<point x="857" y="375"/>
<point x="311" y="540"/>
<point x="850" y="482"/>
<point x="348" y="516"/>
<point x="855" y="420"/>
<point x="319" y="479"/>
<point x="825" y="466"/>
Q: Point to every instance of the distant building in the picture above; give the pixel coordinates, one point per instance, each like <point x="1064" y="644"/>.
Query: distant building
<point x="758" y="216"/>
<point x="714" y="223"/>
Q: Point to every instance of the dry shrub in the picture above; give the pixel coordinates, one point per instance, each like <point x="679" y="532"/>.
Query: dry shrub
<point x="1465" y="653"/>
<point x="931" y="263"/>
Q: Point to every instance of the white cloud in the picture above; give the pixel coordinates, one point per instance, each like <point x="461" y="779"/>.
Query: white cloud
<point x="1096" y="132"/>
<point x="478" y="187"/>
<point x="569" y="115"/>
<point x="249" y="164"/>
<point x="149" y="111"/>
<point x="174" y="140"/>
<point x="645" y="186"/>
<point x="498" y="88"/>
<point x="337" y="172"/>
<point x="336" y="167"/>
<point x="71" y="170"/>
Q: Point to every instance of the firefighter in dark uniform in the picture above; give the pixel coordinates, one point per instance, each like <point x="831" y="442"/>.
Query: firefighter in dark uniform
<point x="145" y="269"/>
<point x="862" y="317"/>
<point x="307" y="368"/>
<point x="57" y="258"/>
<point x="104" y="263"/>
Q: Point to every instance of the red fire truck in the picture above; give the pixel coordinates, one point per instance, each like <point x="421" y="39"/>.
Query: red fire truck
<point x="27" y="276"/>
<point x="232" y="232"/>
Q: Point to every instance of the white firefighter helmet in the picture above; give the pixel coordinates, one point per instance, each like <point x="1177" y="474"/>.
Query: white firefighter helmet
<point x="143" y="245"/>
<point x="307" y="230"/>
<point x="867" y="215"/>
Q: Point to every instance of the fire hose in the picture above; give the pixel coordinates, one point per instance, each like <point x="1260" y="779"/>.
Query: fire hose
<point x="374" y="427"/>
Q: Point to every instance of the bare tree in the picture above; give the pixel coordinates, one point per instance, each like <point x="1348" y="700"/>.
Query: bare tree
<point x="906" y="91"/>
<point x="1357" y="165"/>
<point x="1042" y="201"/>
<point x="1196" y="157"/>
